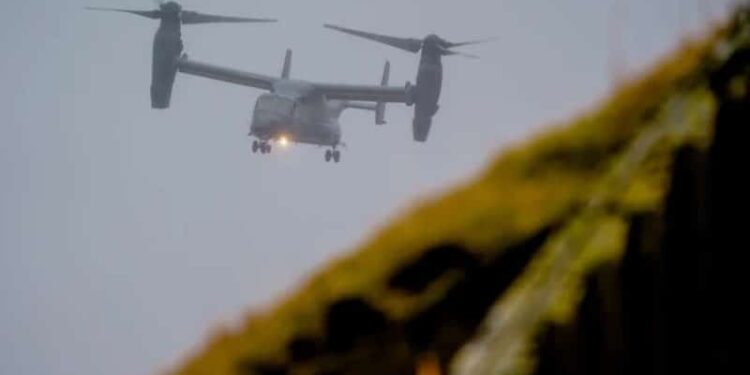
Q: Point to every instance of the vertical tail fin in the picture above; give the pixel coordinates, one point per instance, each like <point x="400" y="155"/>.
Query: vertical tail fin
<point x="380" y="106"/>
<point x="287" y="69"/>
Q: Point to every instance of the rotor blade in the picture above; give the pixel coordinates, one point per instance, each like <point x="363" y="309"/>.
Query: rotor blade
<point x="407" y="44"/>
<point x="191" y="18"/>
<point x="447" y="52"/>
<point x="153" y="14"/>
<point x="471" y="42"/>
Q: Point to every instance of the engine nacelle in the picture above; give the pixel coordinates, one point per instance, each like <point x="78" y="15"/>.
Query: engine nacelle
<point x="422" y="122"/>
<point x="167" y="49"/>
<point x="421" y="128"/>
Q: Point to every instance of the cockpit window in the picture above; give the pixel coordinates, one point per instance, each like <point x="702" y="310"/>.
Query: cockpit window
<point x="275" y="104"/>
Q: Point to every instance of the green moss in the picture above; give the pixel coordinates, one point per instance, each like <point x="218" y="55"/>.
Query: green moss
<point x="548" y="180"/>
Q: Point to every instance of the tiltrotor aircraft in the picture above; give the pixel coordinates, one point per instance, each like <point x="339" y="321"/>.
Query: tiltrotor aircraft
<point x="301" y="111"/>
<point x="293" y="110"/>
<point x="429" y="76"/>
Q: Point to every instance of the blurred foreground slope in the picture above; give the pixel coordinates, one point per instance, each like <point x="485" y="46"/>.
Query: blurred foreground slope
<point x="608" y="245"/>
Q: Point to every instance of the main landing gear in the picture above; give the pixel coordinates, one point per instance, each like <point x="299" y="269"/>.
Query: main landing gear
<point x="262" y="147"/>
<point x="334" y="155"/>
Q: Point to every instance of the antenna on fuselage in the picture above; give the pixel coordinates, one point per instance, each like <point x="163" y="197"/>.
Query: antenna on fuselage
<point x="287" y="70"/>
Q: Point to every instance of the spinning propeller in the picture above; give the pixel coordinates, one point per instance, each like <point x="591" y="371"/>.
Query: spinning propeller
<point x="431" y="43"/>
<point x="171" y="10"/>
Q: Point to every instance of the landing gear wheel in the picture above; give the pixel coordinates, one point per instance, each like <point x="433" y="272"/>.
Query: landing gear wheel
<point x="336" y="156"/>
<point x="255" y="147"/>
<point x="264" y="147"/>
<point x="329" y="155"/>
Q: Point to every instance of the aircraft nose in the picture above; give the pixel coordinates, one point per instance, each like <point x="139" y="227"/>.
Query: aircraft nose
<point x="267" y="118"/>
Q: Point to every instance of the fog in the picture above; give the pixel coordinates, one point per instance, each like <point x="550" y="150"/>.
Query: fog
<point x="128" y="234"/>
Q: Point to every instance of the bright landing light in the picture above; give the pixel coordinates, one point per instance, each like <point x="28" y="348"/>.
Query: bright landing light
<point x="283" y="141"/>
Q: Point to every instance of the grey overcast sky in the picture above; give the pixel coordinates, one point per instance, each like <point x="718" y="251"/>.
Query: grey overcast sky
<point x="127" y="234"/>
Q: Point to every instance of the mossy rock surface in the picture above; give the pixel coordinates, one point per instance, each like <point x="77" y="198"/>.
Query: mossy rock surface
<point x="426" y="282"/>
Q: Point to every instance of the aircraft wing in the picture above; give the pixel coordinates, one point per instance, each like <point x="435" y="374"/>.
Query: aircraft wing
<point x="381" y="94"/>
<point x="238" y="77"/>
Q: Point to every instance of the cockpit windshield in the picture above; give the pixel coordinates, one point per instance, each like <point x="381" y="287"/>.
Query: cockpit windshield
<point x="275" y="104"/>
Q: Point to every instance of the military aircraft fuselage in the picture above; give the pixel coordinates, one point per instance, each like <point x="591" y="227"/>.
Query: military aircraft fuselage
<point x="302" y="111"/>
<point x="293" y="111"/>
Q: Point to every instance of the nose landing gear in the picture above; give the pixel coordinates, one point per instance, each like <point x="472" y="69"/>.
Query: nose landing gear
<point x="334" y="155"/>
<point x="262" y="147"/>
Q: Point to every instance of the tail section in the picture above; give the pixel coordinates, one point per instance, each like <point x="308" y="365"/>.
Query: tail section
<point x="380" y="106"/>
<point x="287" y="69"/>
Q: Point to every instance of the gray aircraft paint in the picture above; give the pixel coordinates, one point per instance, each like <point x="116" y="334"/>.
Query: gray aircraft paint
<point x="429" y="74"/>
<point x="301" y="111"/>
<point x="168" y="46"/>
<point x="295" y="110"/>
